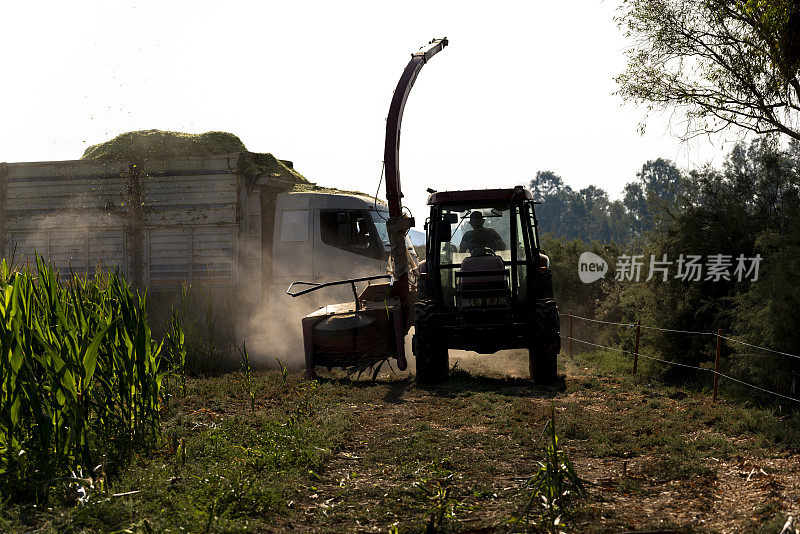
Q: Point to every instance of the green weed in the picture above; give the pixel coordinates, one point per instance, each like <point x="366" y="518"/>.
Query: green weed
<point x="435" y="492"/>
<point x="244" y="360"/>
<point x="554" y="486"/>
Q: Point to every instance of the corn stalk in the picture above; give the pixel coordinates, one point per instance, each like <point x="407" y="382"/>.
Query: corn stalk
<point x="80" y="374"/>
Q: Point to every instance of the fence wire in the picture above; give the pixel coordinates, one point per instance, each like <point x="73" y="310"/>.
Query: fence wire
<point x="670" y="330"/>
<point x="598" y="346"/>
<point x="631" y="325"/>
<point x="756" y="387"/>
<point x="667" y="362"/>
<point x="692" y="332"/>
<point x="760" y="348"/>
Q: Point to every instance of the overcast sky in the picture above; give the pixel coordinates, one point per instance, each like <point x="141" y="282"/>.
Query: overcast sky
<point x="523" y="86"/>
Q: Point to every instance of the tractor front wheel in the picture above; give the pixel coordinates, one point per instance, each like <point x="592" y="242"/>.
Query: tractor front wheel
<point x="433" y="361"/>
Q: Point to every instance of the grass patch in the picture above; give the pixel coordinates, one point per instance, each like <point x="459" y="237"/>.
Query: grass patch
<point x="689" y="405"/>
<point x="277" y="452"/>
<point x="219" y="464"/>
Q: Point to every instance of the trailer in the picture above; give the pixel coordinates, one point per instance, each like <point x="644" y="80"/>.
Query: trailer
<point x="242" y="221"/>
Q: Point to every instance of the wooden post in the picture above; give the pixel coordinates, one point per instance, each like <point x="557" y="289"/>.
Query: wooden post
<point x="716" y="364"/>
<point x="134" y="223"/>
<point x="636" y="349"/>
<point x="3" y="209"/>
<point x="570" y="333"/>
<point x="269" y="201"/>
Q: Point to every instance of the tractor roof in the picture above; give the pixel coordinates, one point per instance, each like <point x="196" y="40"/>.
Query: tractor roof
<point x="475" y="195"/>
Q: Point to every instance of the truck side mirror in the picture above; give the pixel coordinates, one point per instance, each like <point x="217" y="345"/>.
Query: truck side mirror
<point x="444" y="231"/>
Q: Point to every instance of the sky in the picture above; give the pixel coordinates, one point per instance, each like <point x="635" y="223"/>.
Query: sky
<point x="523" y="86"/>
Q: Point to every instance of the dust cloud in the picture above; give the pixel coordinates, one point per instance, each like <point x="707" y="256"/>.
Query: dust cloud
<point x="506" y="363"/>
<point x="273" y="329"/>
<point x="62" y="237"/>
<point x="275" y="333"/>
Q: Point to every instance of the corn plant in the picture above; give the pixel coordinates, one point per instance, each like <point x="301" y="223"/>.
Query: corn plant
<point x="304" y="409"/>
<point x="554" y="485"/>
<point x="440" y="506"/>
<point x="80" y="374"/>
<point x="284" y="372"/>
<point x="244" y="361"/>
<point x="176" y="346"/>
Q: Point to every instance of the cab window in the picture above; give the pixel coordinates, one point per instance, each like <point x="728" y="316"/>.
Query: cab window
<point x="351" y="230"/>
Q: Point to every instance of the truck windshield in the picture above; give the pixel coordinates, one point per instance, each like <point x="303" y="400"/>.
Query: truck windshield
<point x="379" y="218"/>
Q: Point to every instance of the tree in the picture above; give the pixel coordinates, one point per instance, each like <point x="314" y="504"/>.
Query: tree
<point x="636" y="206"/>
<point x="545" y="184"/>
<point x="556" y="198"/>
<point x="723" y="63"/>
<point x="751" y="206"/>
<point x="589" y="214"/>
<point x="586" y="214"/>
<point x="661" y="180"/>
<point x="659" y="187"/>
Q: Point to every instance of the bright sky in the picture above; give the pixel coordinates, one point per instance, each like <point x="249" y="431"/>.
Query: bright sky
<point x="523" y="86"/>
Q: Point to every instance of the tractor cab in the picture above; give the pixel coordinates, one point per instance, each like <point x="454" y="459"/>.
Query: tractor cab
<point x="481" y="247"/>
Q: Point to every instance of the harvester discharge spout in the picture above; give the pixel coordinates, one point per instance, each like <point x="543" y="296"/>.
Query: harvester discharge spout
<point x="371" y="330"/>
<point x="398" y="224"/>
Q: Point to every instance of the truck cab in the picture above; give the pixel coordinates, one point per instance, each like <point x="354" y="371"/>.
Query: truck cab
<point x="325" y="236"/>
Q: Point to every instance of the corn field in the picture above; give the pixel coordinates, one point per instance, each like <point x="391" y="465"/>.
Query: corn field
<point x="80" y="375"/>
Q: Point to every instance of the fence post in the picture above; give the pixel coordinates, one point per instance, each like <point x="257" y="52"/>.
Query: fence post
<point x="570" y="333"/>
<point x="716" y="364"/>
<point x="636" y="350"/>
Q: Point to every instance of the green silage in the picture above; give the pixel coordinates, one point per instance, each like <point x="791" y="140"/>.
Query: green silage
<point x="158" y="144"/>
<point x="161" y="145"/>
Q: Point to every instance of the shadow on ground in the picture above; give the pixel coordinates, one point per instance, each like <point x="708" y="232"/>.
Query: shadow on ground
<point x="459" y="382"/>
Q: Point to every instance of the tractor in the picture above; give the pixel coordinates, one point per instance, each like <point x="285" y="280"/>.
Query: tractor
<point x="485" y="284"/>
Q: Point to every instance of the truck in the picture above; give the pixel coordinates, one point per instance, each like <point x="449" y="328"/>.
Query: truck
<point x="242" y="221"/>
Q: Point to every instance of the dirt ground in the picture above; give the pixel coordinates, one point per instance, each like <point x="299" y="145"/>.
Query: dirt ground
<point x="484" y="434"/>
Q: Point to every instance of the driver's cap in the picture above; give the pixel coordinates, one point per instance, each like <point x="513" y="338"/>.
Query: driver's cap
<point x="475" y="216"/>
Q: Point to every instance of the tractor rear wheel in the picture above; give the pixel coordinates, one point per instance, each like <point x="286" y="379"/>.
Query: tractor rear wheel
<point x="543" y="365"/>
<point x="543" y="353"/>
<point x="433" y="361"/>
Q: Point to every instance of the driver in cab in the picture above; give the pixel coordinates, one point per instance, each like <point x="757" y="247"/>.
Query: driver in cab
<point x="477" y="240"/>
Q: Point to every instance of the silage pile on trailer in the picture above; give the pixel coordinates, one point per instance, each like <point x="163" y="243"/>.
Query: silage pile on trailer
<point x="158" y="144"/>
<point x="308" y="187"/>
<point x="161" y="145"/>
<point x="265" y="163"/>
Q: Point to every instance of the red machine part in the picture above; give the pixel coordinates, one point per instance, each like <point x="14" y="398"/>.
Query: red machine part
<point x="398" y="225"/>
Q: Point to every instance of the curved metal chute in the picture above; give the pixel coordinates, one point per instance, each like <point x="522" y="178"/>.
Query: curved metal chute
<point x="398" y="225"/>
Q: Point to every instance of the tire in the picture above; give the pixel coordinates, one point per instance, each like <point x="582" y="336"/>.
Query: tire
<point x="543" y="366"/>
<point x="543" y="352"/>
<point x="433" y="361"/>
